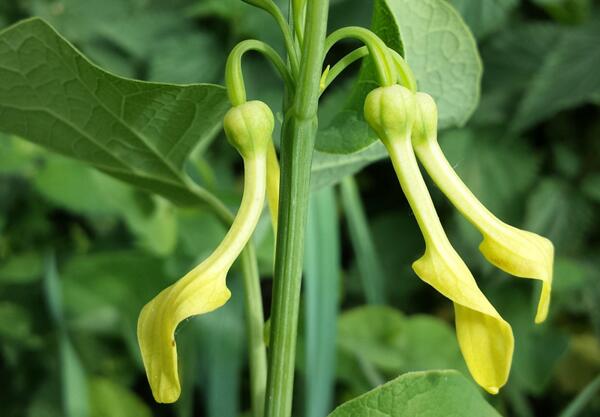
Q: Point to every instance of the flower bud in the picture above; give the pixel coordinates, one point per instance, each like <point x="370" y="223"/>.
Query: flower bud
<point x="426" y="118"/>
<point x="249" y="127"/>
<point x="390" y="111"/>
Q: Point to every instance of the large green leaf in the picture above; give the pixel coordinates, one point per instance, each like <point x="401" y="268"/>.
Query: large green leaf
<point x="484" y="17"/>
<point x="108" y="398"/>
<point x="431" y="394"/>
<point x="439" y="48"/>
<point x="394" y="343"/>
<point x="568" y="77"/>
<point x="556" y="210"/>
<point x="512" y="57"/>
<point x="330" y="168"/>
<point x="136" y="131"/>
<point x="103" y="289"/>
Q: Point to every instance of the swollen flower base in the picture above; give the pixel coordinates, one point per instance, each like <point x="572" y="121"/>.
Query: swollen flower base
<point x="404" y="120"/>
<point x="249" y="127"/>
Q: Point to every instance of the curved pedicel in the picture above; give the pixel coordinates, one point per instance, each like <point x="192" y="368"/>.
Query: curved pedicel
<point x="249" y="128"/>
<point x="517" y="252"/>
<point x="485" y="339"/>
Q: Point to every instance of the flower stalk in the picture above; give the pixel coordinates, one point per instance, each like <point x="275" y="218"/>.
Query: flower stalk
<point x="297" y="143"/>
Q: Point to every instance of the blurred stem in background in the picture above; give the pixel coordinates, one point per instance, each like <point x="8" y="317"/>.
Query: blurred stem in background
<point x="577" y="406"/>
<point x="297" y="143"/>
<point x="321" y="301"/>
<point x="369" y="267"/>
<point x="74" y="383"/>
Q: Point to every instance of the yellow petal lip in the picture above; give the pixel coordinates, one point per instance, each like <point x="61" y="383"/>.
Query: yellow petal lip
<point x="192" y="295"/>
<point x="485" y="339"/>
<point x="522" y="254"/>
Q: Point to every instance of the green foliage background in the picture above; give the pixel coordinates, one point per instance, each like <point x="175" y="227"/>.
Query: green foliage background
<point x="81" y="252"/>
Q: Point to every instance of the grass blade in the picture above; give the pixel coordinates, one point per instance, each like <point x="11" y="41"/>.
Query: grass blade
<point x="582" y="400"/>
<point x="322" y="272"/>
<point x="75" y="396"/>
<point x="369" y="266"/>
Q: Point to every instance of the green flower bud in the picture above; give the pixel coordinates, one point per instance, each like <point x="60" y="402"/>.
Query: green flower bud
<point x="249" y="127"/>
<point x="426" y="119"/>
<point x="390" y="111"/>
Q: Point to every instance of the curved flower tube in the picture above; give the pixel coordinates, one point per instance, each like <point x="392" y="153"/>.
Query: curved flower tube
<point x="485" y="339"/>
<point x="273" y="179"/>
<point x="249" y="128"/>
<point x="517" y="252"/>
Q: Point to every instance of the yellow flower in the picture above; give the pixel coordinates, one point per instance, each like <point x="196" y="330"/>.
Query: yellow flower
<point x="273" y="174"/>
<point x="517" y="252"/>
<point x="485" y="339"/>
<point x="249" y="128"/>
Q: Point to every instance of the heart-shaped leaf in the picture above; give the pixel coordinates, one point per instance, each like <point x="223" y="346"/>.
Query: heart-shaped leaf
<point x="136" y="131"/>
<point x="431" y="394"/>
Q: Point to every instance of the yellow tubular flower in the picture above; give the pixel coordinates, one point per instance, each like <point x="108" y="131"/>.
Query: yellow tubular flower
<point x="249" y="128"/>
<point x="517" y="252"/>
<point x="273" y="184"/>
<point x="485" y="339"/>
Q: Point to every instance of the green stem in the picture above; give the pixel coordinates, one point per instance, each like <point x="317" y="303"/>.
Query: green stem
<point x="257" y="352"/>
<point x="298" y="18"/>
<point x="296" y="156"/>
<point x="405" y="74"/>
<point x="406" y="77"/>
<point x="255" y="321"/>
<point x="271" y="7"/>
<point x="290" y="46"/>
<point x="384" y="63"/>
<point x="341" y="65"/>
<point x="234" y="78"/>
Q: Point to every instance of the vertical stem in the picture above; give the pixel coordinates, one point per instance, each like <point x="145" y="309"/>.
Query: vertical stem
<point x="257" y="355"/>
<point x="298" y="136"/>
